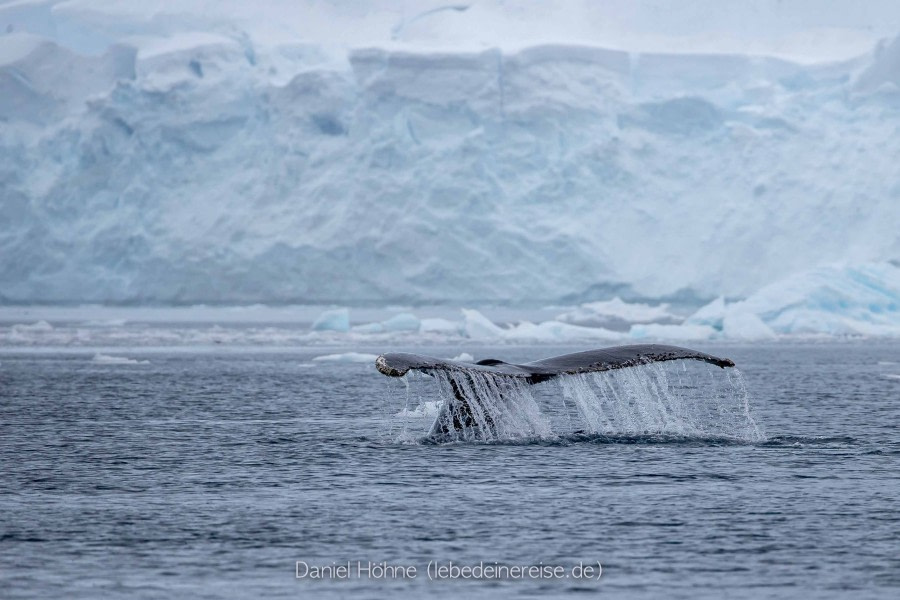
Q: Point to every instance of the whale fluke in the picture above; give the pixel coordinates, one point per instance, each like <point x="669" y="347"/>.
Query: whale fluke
<point x="477" y="396"/>
<point x="398" y="364"/>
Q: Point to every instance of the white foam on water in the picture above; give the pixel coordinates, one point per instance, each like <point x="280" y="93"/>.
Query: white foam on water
<point x="105" y="323"/>
<point x="426" y="409"/>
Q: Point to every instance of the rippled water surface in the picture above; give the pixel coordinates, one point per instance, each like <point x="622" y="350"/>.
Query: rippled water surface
<point x="201" y="474"/>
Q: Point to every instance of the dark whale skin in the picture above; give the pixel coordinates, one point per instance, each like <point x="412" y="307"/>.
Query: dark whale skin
<point x="397" y="364"/>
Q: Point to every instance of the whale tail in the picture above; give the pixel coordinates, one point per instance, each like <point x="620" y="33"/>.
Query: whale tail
<point x="397" y="364"/>
<point x="463" y="410"/>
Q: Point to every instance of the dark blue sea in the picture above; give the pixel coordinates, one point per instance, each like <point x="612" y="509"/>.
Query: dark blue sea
<point x="187" y="473"/>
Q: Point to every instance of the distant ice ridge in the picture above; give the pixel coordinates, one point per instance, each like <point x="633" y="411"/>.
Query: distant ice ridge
<point x="832" y="301"/>
<point x="152" y="155"/>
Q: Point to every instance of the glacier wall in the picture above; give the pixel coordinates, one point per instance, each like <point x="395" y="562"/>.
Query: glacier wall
<point x="203" y="166"/>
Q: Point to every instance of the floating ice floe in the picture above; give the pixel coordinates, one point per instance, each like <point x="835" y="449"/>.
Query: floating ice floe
<point x="37" y="326"/>
<point x="106" y="359"/>
<point x="106" y="323"/>
<point x="347" y="357"/>
<point x="655" y="331"/>
<point x="403" y="322"/>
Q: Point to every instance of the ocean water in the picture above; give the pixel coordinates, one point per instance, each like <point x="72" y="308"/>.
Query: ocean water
<point x="211" y="473"/>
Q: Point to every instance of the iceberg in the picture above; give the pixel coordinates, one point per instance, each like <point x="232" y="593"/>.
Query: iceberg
<point x="554" y="331"/>
<point x="476" y="326"/>
<point x="402" y="322"/>
<point x="333" y="320"/>
<point x="859" y="299"/>
<point x="710" y="314"/>
<point x="368" y="328"/>
<point x="439" y="325"/>
<point x="745" y="326"/>
<point x="616" y="313"/>
<point x="686" y="332"/>
<point x="835" y="300"/>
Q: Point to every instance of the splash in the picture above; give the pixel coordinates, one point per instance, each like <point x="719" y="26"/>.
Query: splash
<point x="670" y="400"/>
<point x="495" y="408"/>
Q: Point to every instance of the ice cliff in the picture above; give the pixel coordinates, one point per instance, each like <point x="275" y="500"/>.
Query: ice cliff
<point x="166" y="160"/>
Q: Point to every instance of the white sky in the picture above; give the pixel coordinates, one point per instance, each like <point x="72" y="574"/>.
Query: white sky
<point x="804" y="30"/>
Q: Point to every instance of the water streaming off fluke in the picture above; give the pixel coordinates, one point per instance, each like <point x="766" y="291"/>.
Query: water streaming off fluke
<point x="681" y="399"/>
